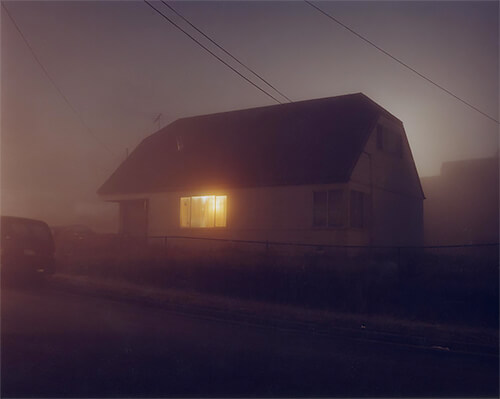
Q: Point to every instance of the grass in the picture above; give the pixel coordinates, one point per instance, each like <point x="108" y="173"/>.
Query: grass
<point x="430" y="286"/>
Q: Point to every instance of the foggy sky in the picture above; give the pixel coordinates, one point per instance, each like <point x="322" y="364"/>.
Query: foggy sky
<point x="120" y="64"/>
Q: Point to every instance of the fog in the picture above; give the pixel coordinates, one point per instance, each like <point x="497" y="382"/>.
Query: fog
<point x="115" y="66"/>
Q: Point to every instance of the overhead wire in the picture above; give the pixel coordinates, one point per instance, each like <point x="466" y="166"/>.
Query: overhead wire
<point x="49" y="77"/>
<point x="399" y="61"/>
<point x="211" y="52"/>
<point x="224" y="50"/>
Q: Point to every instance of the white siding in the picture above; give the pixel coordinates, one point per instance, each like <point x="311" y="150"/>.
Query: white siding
<point x="265" y="213"/>
<point x="285" y="213"/>
<point x="397" y="200"/>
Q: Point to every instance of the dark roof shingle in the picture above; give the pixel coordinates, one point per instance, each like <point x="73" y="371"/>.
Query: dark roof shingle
<point x="306" y="142"/>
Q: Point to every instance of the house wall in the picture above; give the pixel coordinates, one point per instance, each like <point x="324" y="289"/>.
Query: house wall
<point x="397" y="203"/>
<point x="285" y="213"/>
<point x="462" y="203"/>
<point x="282" y="213"/>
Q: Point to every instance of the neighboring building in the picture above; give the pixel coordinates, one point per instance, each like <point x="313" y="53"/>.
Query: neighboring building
<point x="462" y="203"/>
<point x="334" y="170"/>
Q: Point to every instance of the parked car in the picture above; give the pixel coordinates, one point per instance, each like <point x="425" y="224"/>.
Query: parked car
<point x="74" y="232"/>
<point x="27" y="249"/>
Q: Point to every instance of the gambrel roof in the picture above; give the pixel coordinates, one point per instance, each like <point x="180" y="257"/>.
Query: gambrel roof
<point x="306" y="142"/>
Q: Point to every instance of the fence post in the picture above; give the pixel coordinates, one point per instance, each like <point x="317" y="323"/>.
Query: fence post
<point x="267" y="246"/>
<point x="399" y="258"/>
<point x="165" y="246"/>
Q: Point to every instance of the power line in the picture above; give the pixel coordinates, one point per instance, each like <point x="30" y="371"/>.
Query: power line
<point x="54" y="83"/>
<point x="212" y="53"/>
<point x="400" y="62"/>
<point x="224" y="50"/>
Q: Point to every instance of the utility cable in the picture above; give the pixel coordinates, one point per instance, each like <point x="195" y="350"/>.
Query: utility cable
<point x="89" y="131"/>
<point x="212" y="53"/>
<point x="224" y="50"/>
<point x="400" y="62"/>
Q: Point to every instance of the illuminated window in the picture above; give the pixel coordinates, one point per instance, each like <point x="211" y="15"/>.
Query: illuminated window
<point x="203" y="211"/>
<point x="220" y="211"/>
<point x="185" y="212"/>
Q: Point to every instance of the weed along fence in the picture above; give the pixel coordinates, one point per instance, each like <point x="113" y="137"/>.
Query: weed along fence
<point x="438" y="283"/>
<point x="476" y="259"/>
<point x="249" y="253"/>
<point x="292" y="253"/>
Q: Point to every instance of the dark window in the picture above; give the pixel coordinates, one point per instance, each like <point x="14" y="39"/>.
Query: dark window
<point x="389" y="141"/>
<point x="335" y="209"/>
<point x="328" y="208"/>
<point x="357" y="209"/>
<point x="30" y="230"/>
<point x="27" y="230"/>
<point x="41" y="232"/>
<point x="320" y="212"/>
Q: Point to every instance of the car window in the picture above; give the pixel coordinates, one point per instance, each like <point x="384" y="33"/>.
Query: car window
<point x="27" y="230"/>
<point x="40" y="232"/>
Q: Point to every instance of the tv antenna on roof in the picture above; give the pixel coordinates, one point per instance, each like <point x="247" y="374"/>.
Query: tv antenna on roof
<point x="158" y="119"/>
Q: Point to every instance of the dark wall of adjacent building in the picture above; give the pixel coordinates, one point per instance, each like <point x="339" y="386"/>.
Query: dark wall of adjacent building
<point x="461" y="205"/>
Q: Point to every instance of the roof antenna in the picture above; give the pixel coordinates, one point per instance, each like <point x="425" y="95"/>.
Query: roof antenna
<point x="158" y="119"/>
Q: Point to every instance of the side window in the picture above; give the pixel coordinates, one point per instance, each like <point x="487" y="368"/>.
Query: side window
<point x="328" y="208"/>
<point x="320" y="213"/>
<point x="389" y="141"/>
<point x="357" y="209"/>
<point x="335" y="208"/>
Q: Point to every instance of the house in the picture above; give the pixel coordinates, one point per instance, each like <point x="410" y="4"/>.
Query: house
<point x="333" y="170"/>
<point x="462" y="203"/>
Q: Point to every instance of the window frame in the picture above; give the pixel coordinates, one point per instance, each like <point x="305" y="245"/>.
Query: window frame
<point x="385" y="134"/>
<point x="189" y="215"/>
<point x="327" y="225"/>
<point x="323" y="213"/>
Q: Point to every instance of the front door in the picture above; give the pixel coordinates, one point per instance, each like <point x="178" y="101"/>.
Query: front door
<point x="134" y="217"/>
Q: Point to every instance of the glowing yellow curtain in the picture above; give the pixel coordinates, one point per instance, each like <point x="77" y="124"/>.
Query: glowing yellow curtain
<point x="203" y="211"/>
<point x="185" y="211"/>
<point x="220" y="211"/>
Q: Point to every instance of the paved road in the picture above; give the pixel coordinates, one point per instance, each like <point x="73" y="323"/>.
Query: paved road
<point x="56" y="344"/>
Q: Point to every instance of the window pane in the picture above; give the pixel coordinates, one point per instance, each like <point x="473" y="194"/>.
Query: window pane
<point x="357" y="209"/>
<point x="319" y="208"/>
<point x="185" y="211"/>
<point x="335" y="208"/>
<point x="203" y="211"/>
<point x="389" y="141"/>
<point x="40" y="232"/>
<point x="220" y="211"/>
<point x="20" y="230"/>
<point x="392" y="142"/>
